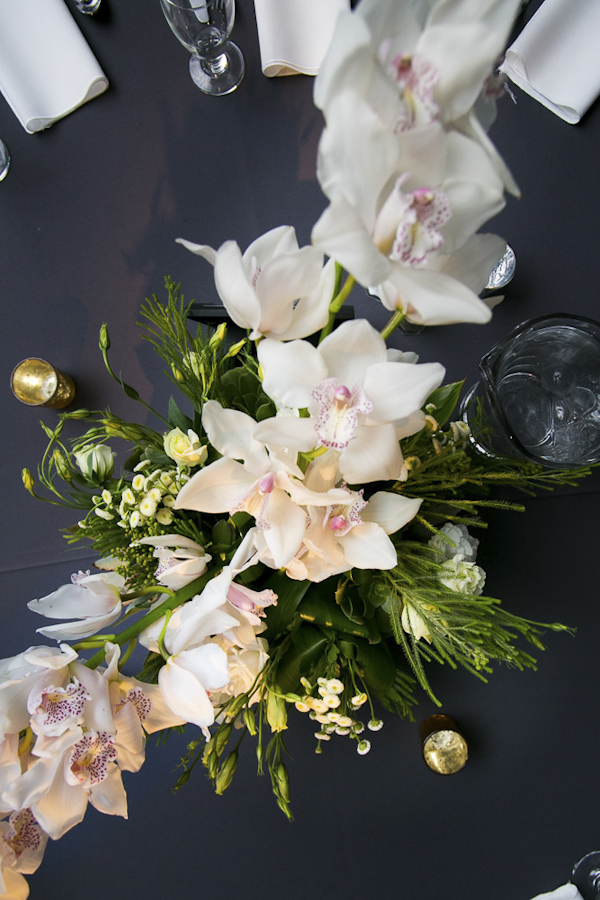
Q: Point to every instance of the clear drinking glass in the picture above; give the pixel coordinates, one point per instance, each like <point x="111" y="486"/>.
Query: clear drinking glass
<point x="539" y="394"/>
<point x="4" y="160"/>
<point x="203" y="27"/>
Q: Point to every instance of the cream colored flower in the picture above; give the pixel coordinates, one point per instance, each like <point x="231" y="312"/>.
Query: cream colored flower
<point x="184" y="449"/>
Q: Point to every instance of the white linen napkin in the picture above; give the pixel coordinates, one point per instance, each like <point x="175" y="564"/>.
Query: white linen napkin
<point x="556" y="57"/>
<point x="47" y="69"/>
<point x="294" y="34"/>
<point x="565" y="892"/>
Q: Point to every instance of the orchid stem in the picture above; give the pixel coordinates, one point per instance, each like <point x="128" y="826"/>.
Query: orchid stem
<point x="336" y="304"/>
<point x="393" y="323"/>
<point x="179" y="597"/>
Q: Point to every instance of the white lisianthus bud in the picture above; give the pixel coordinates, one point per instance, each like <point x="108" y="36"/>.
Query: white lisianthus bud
<point x="96" y="462"/>
<point x="184" y="449"/>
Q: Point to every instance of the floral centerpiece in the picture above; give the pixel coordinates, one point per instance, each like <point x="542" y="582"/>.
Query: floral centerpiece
<point x="298" y="531"/>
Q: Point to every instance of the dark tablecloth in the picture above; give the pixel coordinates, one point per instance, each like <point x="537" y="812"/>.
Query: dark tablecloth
<point x="88" y="219"/>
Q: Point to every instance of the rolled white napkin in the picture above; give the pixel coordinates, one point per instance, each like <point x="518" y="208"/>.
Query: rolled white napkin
<point x="47" y="69"/>
<point x="556" y="57"/>
<point x="294" y="34"/>
<point x="565" y="892"/>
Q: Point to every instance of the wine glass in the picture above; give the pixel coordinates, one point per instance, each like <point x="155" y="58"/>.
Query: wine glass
<point x="203" y="27"/>
<point x="4" y="160"/>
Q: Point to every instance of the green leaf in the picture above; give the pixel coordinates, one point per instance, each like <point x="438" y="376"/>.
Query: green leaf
<point x="444" y="399"/>
<point x="289" y="594"/>
<point x="376" y="665"/>
<point x="176" y="418"/>
<point x="320" y="608"/>
<point x="308" y="645"/>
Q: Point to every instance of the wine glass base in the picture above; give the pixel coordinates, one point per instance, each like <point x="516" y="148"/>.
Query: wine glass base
<point x="4" y="160"/>
<point x="216" y="79"/>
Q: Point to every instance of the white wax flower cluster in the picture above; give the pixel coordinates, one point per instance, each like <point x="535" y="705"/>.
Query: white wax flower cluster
<point x="151" y="495"/>
<point x="324" y="708"/>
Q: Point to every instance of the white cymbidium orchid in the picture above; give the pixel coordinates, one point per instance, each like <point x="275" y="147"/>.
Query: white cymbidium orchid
<point x="93" y="601"/>
<point x="349" y="535"/>
<point x="266" y="484"/>
<point x="68" y="752"/>
<point x="421" y="63"/>
<point x="403" y="214"/>
<point x="275" y="288"/>
<point x="360" y="403"/>
<point x="180" y="559"/>
<point x="22" y="845"/>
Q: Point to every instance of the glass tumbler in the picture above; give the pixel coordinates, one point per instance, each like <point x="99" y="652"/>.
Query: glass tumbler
<point x="539" y="394"/>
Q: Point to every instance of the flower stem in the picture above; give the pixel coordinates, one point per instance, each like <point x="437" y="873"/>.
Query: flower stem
<point x="336" y="304"/>
<point x="179" y="597"/>
<point x="393" y="323"/>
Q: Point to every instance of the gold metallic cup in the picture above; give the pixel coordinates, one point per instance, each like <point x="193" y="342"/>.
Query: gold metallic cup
<point x="444" y="748"/>
<point x="36" y="382"/>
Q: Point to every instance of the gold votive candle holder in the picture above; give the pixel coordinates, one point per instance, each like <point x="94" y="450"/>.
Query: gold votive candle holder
<point x="36" y="382"/>
<point x="445" y="749"/>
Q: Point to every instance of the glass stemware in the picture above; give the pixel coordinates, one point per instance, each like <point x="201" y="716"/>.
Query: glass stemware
<point x="203" y="27"/>
<point x="4" y="160"/>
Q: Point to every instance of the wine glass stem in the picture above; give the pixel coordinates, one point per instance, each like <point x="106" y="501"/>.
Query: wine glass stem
<point x="217" y="65"/>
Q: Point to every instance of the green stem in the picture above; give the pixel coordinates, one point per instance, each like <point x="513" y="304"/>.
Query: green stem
<point x="393" y="323"/>
<point x="171" y="603"/>
<point x="336" y="304"/>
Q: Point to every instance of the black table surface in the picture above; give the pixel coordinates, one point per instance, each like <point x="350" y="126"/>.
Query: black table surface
<point x="89" y="214"/>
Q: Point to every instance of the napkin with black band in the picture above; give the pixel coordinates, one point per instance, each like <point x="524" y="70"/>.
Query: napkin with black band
<point x="294" y="34"/>
<point x="47" y="69"/>
<point x="556" y="58"/>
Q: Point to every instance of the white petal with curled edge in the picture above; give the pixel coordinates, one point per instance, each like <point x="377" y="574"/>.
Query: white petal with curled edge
<point x="13" y="886"/>
<point x="231" y="432"/>
<point x="98" y="715"/>
<point x="290" y="371"/>
<point x="287" y="524"/>
<point x="368" y="547"/>
<point x="203" y="250"/>
<point x="218" y="487"/>
<point x="185" y="679"/>
<point x="372" y="455"/>
<point x="396" y="390"/>
<point x="109" y="796"/>
<point x="390" y="511"/>
<point x="350" y="350"/>
<point x="312" y="311"/>
<point x="290" y="432"/>
<point x="432" y="298"/>
<point x="71" y="601"/>
<point x="342" y="234"/>
<point x="234" y="287"/>
<point x="63" y="807"/>
<point x="282" y="281"/>
<point x="82" y="628"/>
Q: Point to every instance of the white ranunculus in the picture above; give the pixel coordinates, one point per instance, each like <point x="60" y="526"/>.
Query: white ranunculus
<point x="463" y="577"/>
<point x="274" y="288"/>
<point x="184" y="449"/>
<point x="455" y="540"/>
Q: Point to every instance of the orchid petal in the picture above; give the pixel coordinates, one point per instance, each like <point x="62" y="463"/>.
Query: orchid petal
<point x="216" y="488"/>
<point x="109" y="796"/>
<point x="287" y="524"/>
<point x="290" y="371"/>
<point x="373" y="455"/>
<point x="288" y="431"/>
<point x="368" y="547"/>
<point x="231" y="432"/>
<point x="390" y="511"/>
<point x="61" y="808"/>
<point x="397" y="389"/>
<point x="351" y="349"/>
